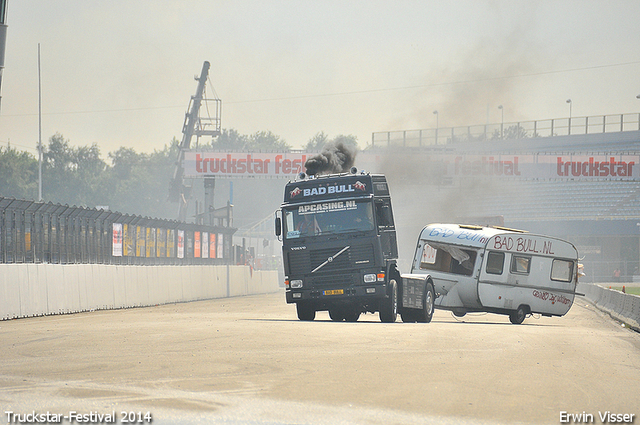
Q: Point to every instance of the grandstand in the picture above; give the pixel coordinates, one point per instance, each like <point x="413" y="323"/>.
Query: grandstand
<point x="599" y="214"/>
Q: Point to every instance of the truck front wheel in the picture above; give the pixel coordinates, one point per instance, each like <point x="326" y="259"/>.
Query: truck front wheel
<point x="389" y="305"/>
<point x="305" y="311"/>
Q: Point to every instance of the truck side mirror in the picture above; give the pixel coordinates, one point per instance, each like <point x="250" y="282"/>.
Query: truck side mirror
<point x="278" y="226"/>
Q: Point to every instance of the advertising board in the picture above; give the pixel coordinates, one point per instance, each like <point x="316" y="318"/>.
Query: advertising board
<point x="243" y="164"/>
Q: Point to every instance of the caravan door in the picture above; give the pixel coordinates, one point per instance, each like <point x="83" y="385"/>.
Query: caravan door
<point x="453" y="269"/>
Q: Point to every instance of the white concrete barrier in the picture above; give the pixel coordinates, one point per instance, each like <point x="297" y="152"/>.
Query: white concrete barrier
<point x="623" y="307"/>
<point x="237" y="279"/>
<point x="10" y="304"/>
<point x="39" y="289"/>
<point x="33" y="289"/>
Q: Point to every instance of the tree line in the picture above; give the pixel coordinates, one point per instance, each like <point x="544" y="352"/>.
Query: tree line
<point x="127" y="181"/>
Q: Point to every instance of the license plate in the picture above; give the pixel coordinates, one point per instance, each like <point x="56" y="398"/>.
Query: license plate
<point x="334" y="292"/>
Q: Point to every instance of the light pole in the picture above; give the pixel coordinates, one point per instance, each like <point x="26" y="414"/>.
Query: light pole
<point x="570" y="112"/>
<point x="638" y="97"/>
<point x="501" y="121"/>
<point x="437" y="125"/>
<point x="40" y="154"/>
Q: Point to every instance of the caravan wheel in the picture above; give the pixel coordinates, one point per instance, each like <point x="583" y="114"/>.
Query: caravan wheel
<point x="518" y="316"/>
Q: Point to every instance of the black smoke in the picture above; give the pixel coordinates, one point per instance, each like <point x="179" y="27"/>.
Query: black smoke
<point x="336" y="157"/>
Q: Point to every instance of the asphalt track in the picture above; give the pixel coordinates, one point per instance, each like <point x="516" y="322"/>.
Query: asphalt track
<point x="248" y="360"/>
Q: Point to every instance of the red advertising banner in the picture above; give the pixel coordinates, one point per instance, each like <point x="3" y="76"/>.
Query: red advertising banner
<point x="243" y="164"/>
<point x="529" y="166"/>
<point x="117" y="240"/>
<point x="180" y="243"/>
<point x="196" y="245"/>
<point x="444" y="164"/>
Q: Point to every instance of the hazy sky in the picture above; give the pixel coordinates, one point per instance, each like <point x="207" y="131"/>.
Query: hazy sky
<point x="120" y="73"/>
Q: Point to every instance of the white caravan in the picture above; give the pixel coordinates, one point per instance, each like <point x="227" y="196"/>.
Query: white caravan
<point x="497" y="270"/>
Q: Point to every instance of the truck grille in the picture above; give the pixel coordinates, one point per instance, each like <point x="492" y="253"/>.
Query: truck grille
<point x="337" y="280"/>
<point x="303" y="262"/>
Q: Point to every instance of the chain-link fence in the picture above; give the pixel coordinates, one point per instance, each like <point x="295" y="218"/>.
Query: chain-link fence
<point x="507" y="131"/>
<point x="38" y="232"/>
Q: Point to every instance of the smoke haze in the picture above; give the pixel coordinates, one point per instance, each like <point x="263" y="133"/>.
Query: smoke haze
<point x="334" y="158"/>
<point x="120" y="73"/>
<point x="421" y="194"/>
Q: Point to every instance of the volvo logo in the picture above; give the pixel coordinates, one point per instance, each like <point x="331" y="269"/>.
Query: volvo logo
<point x="330" y="259"/>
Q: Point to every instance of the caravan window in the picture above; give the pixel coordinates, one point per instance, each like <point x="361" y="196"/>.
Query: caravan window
<point x="562" y="270"/>
<point x="520" y="265"/>
<point x="495" y="262"/>
<point x="447" y="258"/>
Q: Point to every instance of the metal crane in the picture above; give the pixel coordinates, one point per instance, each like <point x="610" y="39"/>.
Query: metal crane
<point x="196" y="125"/>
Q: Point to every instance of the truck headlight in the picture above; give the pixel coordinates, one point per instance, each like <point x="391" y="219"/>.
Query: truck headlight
<point x="369" y="278"/>
<point x="295" y="284"/>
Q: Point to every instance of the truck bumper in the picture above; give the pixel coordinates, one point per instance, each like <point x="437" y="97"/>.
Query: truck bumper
<point x="327" y="295"/>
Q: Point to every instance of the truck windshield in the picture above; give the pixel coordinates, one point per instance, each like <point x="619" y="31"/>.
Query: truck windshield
<point x="328" y="218"/>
